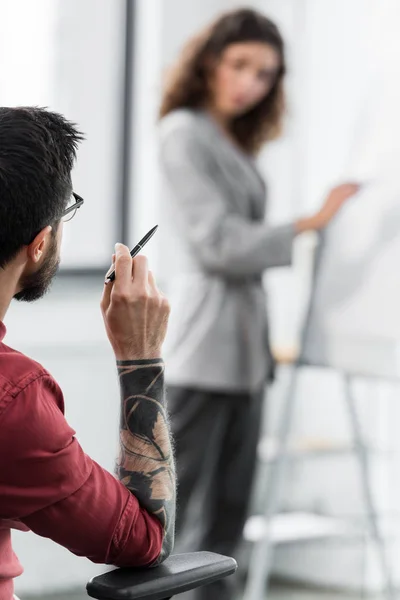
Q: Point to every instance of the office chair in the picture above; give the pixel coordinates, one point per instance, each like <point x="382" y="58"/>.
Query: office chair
<point x="178" y="574"/>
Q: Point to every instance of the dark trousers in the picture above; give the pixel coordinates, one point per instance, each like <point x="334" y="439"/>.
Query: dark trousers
<point x="216" y="437"/>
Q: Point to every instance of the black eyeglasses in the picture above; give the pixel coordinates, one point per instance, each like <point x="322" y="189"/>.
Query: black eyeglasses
<point x="75" y="203"/>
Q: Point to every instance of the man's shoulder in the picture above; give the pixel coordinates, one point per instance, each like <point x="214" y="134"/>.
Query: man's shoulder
<point x="17" y="371"/>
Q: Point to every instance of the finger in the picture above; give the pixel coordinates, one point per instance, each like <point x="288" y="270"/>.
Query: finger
<point x="106" y="296"/>
<point x="152" y="283"/>
<point x="112" y="267"/>
<point x="123" y="269"/>
<point x="352" y="187"/>
<point x="140" y="272"/>
<point x="351" y="190"/>
<point x="345" y="191"/>
<point x="108" y="285"/>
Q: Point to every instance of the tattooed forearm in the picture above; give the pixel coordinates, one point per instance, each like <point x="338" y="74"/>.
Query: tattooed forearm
<point x="145" y="465"/>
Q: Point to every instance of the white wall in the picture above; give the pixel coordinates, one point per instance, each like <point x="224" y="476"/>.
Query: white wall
<point x="87" y="86"/>
<point x="68" y="56"/>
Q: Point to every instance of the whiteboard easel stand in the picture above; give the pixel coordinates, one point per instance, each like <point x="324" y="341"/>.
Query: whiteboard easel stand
<point x="262" y="554"/>
<point x="260" y="564"/>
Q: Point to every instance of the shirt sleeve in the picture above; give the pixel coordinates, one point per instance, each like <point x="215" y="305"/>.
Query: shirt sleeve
<point x="49" y="484"/>
<point x="225" y="242"/>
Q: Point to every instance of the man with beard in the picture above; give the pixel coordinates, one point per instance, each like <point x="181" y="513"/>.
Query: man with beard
<point x="47" y="483"/>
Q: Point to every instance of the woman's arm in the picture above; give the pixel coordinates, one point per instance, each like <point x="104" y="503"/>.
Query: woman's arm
<point x="226" y="243"/>
<point x="333" y="203"/>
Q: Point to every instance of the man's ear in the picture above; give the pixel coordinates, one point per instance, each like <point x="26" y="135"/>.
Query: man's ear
<point x="37" y="247"/>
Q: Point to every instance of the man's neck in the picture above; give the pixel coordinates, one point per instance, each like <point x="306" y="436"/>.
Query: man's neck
<point x="9" y="278"/>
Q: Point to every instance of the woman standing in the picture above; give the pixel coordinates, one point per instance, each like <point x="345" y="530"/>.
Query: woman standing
<point x="223" y="102"/>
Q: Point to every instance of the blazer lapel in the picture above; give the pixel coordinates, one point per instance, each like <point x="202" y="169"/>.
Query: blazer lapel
<point x="248" y="190"/>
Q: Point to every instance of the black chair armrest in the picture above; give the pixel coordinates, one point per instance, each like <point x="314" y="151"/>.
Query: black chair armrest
<point x="177" y="574"/>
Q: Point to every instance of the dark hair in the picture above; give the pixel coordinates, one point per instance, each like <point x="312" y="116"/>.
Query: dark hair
<point x="37" y="153"/>
<point x="187" y="86"/>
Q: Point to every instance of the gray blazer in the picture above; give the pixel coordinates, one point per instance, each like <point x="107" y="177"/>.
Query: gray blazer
<point x="215" y="246"/>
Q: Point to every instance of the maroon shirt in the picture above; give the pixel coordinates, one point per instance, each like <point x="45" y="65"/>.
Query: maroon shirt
<point x="50" y="486"/>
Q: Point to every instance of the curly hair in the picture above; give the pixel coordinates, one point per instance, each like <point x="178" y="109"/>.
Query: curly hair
<point x="187" y="85"/>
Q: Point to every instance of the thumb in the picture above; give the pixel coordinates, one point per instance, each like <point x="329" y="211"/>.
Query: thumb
<point x="106" y="296"/>
<point x="111" y="267"/>
<point x="108" y="285"/>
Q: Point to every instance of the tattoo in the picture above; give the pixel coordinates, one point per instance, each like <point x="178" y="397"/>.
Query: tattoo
<point x="146" y="464"/>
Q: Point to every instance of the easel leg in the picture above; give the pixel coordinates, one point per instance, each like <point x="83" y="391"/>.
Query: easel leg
<point x="262" y="553"/>
<point x="363" y="462"/>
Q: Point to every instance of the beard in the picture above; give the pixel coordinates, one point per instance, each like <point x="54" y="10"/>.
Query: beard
<point x="35" y="285"/>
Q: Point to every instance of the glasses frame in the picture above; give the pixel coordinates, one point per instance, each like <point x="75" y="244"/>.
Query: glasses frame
<point x="78" y="203"/>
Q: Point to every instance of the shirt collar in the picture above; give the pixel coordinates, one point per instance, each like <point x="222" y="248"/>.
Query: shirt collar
<point x="3" y="331"/>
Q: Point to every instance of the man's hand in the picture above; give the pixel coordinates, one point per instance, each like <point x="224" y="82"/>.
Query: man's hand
<point x="135" y="312"/>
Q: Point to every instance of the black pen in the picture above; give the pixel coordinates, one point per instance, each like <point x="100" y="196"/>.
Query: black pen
<point x="136" y="249"/>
